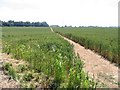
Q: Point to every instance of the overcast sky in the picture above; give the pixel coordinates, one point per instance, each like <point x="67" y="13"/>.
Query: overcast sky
<point x="62" y="12"/>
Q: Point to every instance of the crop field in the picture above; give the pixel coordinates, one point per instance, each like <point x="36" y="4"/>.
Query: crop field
<point x="101" y="40"/>
<point x="51" y="57"/>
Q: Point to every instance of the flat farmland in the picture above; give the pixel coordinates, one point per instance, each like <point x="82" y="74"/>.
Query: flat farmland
<point x="51" y="61"/>
<point x="104" y="41"/>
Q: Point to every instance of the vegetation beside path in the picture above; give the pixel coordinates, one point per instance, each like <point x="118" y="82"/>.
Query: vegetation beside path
<point x="51" y="60"/>
<point x="101" y="40"/>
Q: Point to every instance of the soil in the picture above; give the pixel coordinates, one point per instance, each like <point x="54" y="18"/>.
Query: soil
<point x="99" y="68"/>
<point x="5" y="81"/>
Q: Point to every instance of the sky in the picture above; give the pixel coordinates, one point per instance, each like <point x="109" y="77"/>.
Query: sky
<point x="62" y="12"/>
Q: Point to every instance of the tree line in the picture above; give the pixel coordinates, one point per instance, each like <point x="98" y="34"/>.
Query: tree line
<point x="22" y="24"/>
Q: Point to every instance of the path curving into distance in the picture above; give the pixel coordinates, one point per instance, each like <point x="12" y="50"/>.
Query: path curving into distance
<point x="97" y="67"/>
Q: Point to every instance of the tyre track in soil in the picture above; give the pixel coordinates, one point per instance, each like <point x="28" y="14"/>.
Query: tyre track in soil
<point x="103" y="72"/>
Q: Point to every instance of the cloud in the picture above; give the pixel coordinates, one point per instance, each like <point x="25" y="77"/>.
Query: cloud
<point x="69" y="12"/>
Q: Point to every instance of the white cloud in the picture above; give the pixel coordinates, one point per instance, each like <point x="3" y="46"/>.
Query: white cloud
<point x="69" y="12"/>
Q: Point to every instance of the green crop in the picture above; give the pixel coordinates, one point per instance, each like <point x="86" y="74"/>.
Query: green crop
<point x="10" y="71"/>
<point x="47" y="53"/>
<point x="101" y="40"/>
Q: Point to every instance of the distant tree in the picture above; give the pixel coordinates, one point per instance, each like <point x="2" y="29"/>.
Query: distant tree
<point x="65" y="25"/>
<point x="5" y="24"/>
<point x="44" y="24"/>
<point x="11" y="23"/>
<point x="0" y="23"/>
<point x="37" y="24"/>
<point x="26" y="24"/>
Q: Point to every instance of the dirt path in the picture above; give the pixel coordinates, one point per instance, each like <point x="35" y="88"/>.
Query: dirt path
<point x="5" y="82"/>
<point x="104" y="72"/>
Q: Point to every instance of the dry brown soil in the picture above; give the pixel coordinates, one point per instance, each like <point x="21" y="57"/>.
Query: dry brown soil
<point x="5" y="81"/>
<point x="99" y="68"/>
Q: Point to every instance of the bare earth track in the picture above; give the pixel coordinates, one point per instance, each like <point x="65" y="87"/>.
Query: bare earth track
<point x="103" y="71"/>
<point x="97" y="67"/>
<point x="5" y="81"/>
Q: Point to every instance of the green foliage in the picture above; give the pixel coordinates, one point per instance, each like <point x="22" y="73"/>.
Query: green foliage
<point x="12" y="73"/>
<point x="21" y="68"/>
<point x="8" y="67"/>
<point x="46" y="53"/>
<point x="27" y="76"/>
<point x="101" y="40"/>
